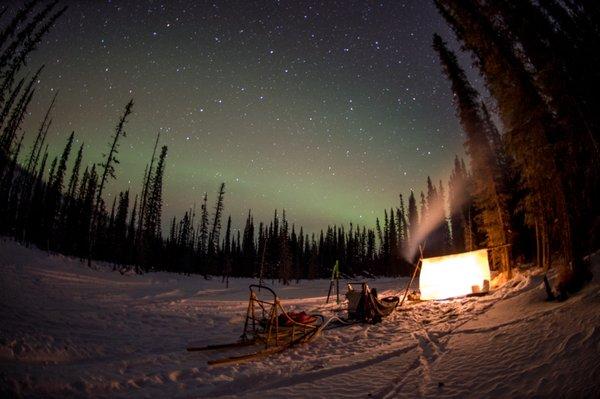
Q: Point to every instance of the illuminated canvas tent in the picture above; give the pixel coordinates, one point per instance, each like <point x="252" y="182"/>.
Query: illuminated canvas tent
<point x="454" y="275"/>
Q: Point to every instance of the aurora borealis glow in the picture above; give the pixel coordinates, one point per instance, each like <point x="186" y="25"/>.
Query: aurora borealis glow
<point x="327" y="109"/>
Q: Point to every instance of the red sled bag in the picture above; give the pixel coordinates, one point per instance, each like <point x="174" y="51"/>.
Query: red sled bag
<point x="296" y="317"/>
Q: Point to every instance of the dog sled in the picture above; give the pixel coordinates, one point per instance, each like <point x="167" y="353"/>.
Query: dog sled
<point x="268" y="326"/>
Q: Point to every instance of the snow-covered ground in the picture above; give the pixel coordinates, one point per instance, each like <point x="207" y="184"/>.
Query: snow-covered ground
<point x="68" y="330"/>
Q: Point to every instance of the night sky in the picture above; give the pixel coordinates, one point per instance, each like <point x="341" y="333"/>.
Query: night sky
<point x="327" y="109"/>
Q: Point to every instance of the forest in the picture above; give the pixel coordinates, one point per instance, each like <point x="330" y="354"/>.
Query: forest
<point x="528" y="190"/>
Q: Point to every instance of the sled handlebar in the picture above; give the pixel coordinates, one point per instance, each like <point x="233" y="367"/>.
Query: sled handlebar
<point x="261" y="287"/>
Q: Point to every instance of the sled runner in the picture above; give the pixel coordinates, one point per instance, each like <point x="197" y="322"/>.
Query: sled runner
<point x="269" y="325"/>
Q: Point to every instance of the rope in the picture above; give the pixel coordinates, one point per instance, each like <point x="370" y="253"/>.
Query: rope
<point x="323" y="326"/>
<point x="308" y="331"/>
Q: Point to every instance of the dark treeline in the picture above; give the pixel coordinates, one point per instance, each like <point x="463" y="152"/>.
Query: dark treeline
<point x="529" y="192"/>
<point x="536" y="180"/>
<point x="279" y="251"/>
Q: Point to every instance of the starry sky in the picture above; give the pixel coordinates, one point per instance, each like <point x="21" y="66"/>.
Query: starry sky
<point x="328" y="109"/>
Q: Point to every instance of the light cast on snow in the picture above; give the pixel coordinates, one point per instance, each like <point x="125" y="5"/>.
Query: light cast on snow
<point x="454" y="275"/>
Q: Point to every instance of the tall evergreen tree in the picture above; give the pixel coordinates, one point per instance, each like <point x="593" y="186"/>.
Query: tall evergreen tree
<point x="55" y="190"/>
<point x="285" y="263"/>
<point x="413" y="218"/>
<point x="213" y="237"/>
<point x="489" y="196"/>
<point x="146" y="192"/>
<point x="203" y="234"/>
<point x="153" y="226"/>
<point x="74" y="178"/>
<point x="120" y="228"/>
<point x="108" y="165"/>
<point x="458" y="200"/>
<point x="131" y="256"/>
<point x="6" y="186"/>
<point x="226" y="271"/>
<point x="108" y="171"/>
<point x="40" y="138"/>
<point x="446" y="240"/>
<point x="248" y="247"/>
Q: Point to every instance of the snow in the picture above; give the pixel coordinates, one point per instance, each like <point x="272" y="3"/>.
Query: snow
<point x="68" y="330"/>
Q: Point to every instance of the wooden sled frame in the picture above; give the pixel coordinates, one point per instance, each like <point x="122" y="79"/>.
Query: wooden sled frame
<point x="263" y="319"/>
<point x="262" y="326"/>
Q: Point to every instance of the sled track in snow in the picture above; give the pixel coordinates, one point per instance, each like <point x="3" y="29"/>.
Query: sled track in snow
<point x="313" y="376"/>
<point x="432" y="346"/>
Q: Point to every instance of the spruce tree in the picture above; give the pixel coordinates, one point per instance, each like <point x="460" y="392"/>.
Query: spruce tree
<point x="7" y="188"/>
<point x="153" y="227"/>
<point x="226" y="271"/>
<point x="213" y="237"/>
<point x="120" y="229"/>
<point x="413" y="220"/>
<point x="145" y="194"/>
<point x="248" y="247"/>
<point x="489" y="194"/>
<point x="446" y="240"/>
<point x="285" y="257"/>
<point x="108" y="172"/>
<point x="393" y="240"/>
<point x="131" y="235"/>
<point x="108" y="165"/>
<point x="456" y="186"/>
<point x="203" y="238"/>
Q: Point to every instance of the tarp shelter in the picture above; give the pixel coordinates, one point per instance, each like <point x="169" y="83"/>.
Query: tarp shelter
<point x="454" y="275"/>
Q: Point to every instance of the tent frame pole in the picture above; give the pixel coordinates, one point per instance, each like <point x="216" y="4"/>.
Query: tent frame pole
<point x="417" y="265"/>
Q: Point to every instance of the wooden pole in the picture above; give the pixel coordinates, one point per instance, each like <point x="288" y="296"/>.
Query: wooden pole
<point x="413" y="275"/>
<point x="249" y="314"/>
<point x="335" y="277"/>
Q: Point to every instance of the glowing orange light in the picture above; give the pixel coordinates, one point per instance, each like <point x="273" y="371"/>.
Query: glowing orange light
<point x="454" y="275"/>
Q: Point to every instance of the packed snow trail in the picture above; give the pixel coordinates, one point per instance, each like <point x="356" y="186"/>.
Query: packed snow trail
<point x="68" y="330"/>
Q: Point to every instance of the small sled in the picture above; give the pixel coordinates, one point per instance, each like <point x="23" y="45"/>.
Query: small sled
<point x="268" y="325"/>
<point x="366" y="307"/>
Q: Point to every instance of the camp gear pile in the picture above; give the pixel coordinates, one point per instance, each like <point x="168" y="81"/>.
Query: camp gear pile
<point x="364" y="306"/>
